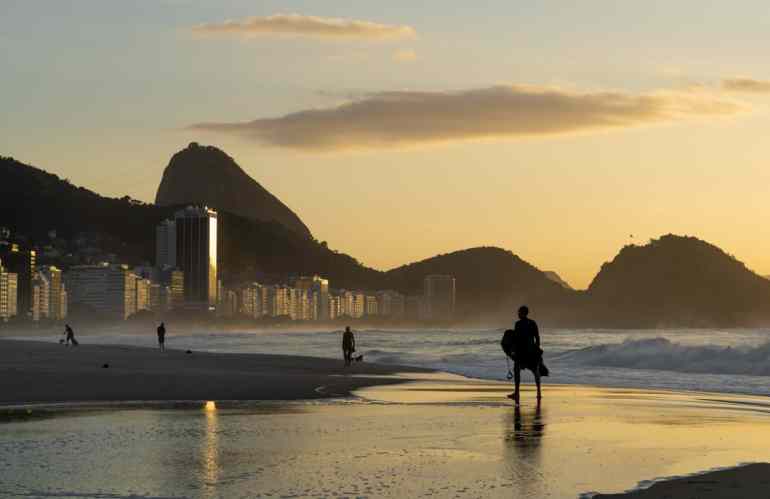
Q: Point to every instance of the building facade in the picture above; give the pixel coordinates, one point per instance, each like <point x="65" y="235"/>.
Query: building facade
<point x="165" y="244"/>
<point x="439" y="295"/>
<point x="196" y="256"/>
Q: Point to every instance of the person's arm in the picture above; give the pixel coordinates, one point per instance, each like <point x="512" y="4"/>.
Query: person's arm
<point x="353" y="341"/>
<point x="537" y="334"/>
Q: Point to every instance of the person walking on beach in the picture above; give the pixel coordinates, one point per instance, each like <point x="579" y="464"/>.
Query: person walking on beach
<point x="522" y="344"/>
<point x="69" y="336"/>
<point x="348" y="345"/>
<point x="162" y="337"/>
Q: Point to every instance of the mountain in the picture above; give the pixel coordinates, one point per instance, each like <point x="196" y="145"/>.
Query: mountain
<point x="678" y="281"/>
<point x="491" y="284"/>
<point x="557" y="279"/>
<point x="206" y="175"/>
<point x="34" y="202"/>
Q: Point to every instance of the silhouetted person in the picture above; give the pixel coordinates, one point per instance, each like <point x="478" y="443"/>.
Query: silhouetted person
<point x="348" y="345"/>
<point x="69" y="336"/>
<point x="162" y="337"/>
<point x="522" y="344"/>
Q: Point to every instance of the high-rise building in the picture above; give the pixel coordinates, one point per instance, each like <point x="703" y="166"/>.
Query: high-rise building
<point x="320" y="286"/>
<point x="439" y="295"/>
<point x="40" y="297"/>
<point x="106" y="289"/>
<point x="165" y="244"/>
<point x="8" y="294"/>
<point x="371" y="308"/>
<point x="196" y="255"/>
<point x="142" y="293"/>
<point x="22" y="263"/>
<point x="390" y="304"/>
<point x="56" y="292"/>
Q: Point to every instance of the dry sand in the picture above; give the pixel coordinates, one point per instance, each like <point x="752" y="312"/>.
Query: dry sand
<point x="33" y="371"/>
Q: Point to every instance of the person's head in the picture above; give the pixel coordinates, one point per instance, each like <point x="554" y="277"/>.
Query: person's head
<point x="347" y="329"/>
<point x="523" y="312"/>
<point x="162" y="324"/>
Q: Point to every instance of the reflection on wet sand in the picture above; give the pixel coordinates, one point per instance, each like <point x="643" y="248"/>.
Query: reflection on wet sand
<point x="524" y="431"/>
<point x="209" y="472"/>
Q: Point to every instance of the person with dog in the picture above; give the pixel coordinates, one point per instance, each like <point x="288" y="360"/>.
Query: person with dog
<point x="69" y="336"/>
<point x="348" y="345"/>
<point x="522" y="345"/>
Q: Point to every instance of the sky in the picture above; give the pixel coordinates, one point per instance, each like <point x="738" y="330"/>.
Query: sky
<point x="399" y="130"/>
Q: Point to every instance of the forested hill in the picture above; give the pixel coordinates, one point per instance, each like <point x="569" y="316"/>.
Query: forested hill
<point x="678" y="281"/>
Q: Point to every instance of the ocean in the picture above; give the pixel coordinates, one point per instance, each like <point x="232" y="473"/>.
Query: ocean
<point x="714" y="360"/>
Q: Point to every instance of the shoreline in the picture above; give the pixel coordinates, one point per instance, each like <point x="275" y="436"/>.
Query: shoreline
<point x="36" y="372"/>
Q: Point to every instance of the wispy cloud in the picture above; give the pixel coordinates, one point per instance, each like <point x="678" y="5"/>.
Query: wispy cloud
<point x="746" y="85"/>
<point x="310" y="26"/>
<point x="405" y="55"/>
<point x="398" y="119"/>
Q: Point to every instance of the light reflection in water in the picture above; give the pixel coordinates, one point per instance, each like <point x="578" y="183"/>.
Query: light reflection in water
<point x="524" y="432"/>
<point x="210" y="451"/>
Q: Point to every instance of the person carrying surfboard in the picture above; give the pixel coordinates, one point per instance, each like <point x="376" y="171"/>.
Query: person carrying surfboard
<point x="522" y="345"/>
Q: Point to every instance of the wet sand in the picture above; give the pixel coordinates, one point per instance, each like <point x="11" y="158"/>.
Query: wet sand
<point x="39" y="372"/>
<point x="440" y="436"/>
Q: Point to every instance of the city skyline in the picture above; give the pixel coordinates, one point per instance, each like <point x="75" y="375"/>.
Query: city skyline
<point x="687" y="103"/>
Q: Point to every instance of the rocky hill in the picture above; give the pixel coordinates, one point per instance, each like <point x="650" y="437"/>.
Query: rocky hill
<point x="678" y="281"/>
<point x="491" y="284"/>
<point x="206" y="175"/>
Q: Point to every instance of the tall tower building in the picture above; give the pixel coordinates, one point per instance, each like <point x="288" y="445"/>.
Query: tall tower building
<point x="318" y="287"/>
<point x="56" y="292"/>
<point x="439" y="294"/>
<point x="22" y="263"/>
<point x="165" y="244"/>
<point x="196" y="255"/>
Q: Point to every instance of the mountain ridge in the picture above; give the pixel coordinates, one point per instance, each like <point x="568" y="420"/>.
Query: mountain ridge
<point x="671" y="281"/>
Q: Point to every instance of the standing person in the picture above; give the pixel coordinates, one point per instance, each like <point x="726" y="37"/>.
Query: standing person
<point x="348" y="345"/>
<point x="162" y="337"/>
<point x="69" y="336"/>
<point x="522" y="344"/>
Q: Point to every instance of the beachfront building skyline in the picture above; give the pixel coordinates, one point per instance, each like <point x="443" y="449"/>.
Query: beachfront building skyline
<point x="196" y="255"/>
<point x="439" y="297"/>
<point x="40" y="297"/>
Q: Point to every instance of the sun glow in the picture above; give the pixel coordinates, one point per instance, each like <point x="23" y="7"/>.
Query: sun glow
<point x="210" y="406"/>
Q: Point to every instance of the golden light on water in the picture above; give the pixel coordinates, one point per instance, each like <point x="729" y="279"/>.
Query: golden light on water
<point x="211" y="406"/>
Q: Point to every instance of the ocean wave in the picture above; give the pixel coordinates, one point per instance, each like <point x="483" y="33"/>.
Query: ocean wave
<point x="665" y="355"/>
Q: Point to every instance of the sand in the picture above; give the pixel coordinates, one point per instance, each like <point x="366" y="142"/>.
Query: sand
<point x="38" y="372"/>
<point x="439" y="436"/>
<point x="748" y="481"/>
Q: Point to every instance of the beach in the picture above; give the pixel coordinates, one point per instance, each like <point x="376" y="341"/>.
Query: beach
<point x="36" y="372"/>
<point x="285" y="426"/>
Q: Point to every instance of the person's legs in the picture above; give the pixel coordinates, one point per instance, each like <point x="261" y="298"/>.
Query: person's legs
<point x="516" y="382"/>
<point x="537" y="382"/>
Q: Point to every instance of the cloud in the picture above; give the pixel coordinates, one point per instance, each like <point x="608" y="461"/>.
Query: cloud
<point x="398" y="119"/>
<point x="310" y="26"/>
<point x="746" y="85"/>
<point x="405" y="55"/>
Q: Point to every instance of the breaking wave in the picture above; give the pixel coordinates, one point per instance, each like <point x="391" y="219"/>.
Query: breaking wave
<point x="665" y="355"/>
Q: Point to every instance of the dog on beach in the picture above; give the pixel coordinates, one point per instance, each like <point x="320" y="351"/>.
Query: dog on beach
<point x="358" y="358"/>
